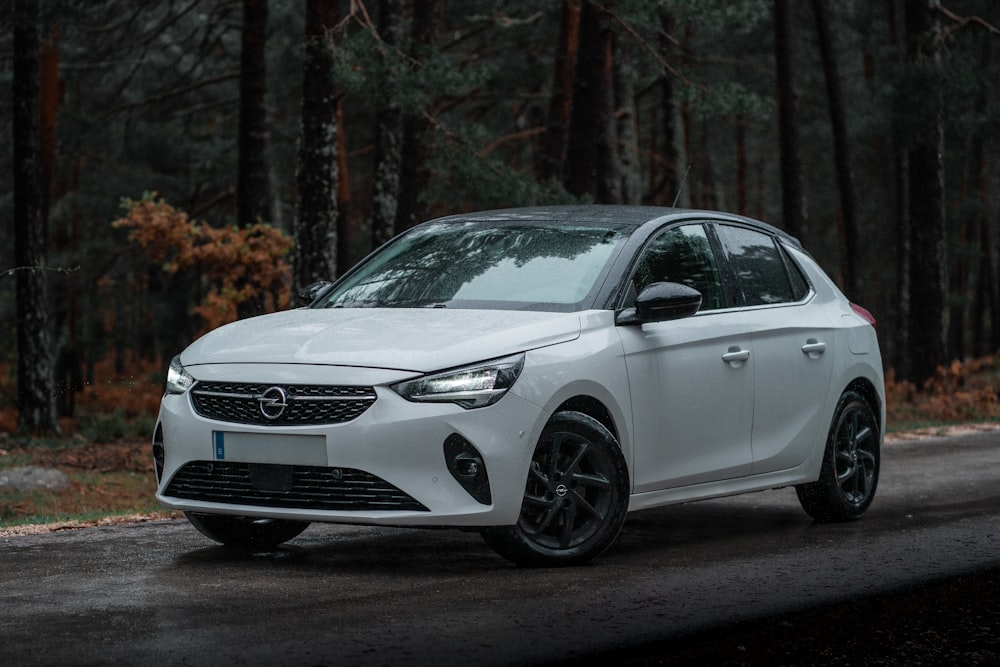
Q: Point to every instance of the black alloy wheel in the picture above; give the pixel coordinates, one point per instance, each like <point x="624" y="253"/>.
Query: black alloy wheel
<point x="575" y="498"/>
<point x="849" y="475"/>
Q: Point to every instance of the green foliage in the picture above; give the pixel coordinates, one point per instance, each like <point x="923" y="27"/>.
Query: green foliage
<point x="719" y="16"/>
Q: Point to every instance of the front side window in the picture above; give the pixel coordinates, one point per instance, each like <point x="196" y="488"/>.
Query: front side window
<point x="759" y="266"/>
<point x="482" y="265"/>
<point x="682" y="255"/>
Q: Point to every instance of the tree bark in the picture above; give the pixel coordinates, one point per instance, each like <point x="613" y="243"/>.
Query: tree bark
<point x="671" y="183"/>
<point x="253" y="188"/>
<point x="348" y="232"/>
<point x="552" y="158"/>
<point x="928" y="268"/>
<point x="315" y="227"/>
<point x="896" y="353"/>
<point x="852" y="262"/>
<point x="35" y="373"/>
<point x="592" y="162"/>
<point x="388" y="130"/>
<point x="415" y="175"/>
<point x="627" y="131"/>
<point x="792" y="197"/>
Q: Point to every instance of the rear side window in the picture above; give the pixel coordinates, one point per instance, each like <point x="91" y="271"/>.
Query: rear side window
<point x="760" y="267"/>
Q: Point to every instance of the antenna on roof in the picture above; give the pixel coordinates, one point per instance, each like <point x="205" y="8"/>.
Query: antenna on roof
<point x="680" y="188"/>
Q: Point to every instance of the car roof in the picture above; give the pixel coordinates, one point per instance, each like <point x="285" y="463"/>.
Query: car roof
<point x="621" y="216"/>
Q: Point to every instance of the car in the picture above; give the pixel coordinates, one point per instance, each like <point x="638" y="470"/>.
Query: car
<point x="533" y="374"/>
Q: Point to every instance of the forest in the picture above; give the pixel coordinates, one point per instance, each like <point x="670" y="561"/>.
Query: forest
<point x="175" y="164"/>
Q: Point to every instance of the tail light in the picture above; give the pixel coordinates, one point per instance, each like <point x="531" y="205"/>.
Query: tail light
<point x="863" y="313"/>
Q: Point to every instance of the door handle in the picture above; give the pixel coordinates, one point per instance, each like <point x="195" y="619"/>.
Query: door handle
<point x="813" y="348"/>
<point x="736" y="356"/>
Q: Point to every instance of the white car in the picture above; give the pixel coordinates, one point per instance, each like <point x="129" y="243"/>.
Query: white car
<point x="534" y="374"/>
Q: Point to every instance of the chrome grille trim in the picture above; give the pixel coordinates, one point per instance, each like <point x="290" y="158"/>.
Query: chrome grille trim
<point x="307" y="405"/>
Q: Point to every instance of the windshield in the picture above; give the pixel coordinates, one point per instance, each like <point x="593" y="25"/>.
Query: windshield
<point x="482" y="265"/>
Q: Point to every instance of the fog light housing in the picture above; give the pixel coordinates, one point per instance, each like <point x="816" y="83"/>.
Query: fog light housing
<point x="158" y="454"/>
<point x="466" y="465"/>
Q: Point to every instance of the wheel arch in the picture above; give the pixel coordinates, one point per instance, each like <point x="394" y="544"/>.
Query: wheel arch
<point x="866" y="389"/>
<point x="593" y="408"/>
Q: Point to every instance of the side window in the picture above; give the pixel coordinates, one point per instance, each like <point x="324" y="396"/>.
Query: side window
<point x="682" y="255"/>
<point x="800" y="288"/>
<point x="758" y="265"/>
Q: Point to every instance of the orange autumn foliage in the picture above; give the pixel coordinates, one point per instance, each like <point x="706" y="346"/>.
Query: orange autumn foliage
<point x="133" y="393"/>
<point x="963" y="391"/>
<point x="235" y="264"/>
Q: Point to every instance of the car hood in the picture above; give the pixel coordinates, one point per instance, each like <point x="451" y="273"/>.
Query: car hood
<point x="419" y="339"/>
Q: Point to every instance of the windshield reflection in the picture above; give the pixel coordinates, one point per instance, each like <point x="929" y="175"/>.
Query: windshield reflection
<point x="479" y="265"/>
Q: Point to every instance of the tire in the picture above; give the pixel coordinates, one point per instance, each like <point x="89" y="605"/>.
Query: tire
<point x="851" y="461"/>
<point x="575" y="499"/>
<point x="245" y="532"/>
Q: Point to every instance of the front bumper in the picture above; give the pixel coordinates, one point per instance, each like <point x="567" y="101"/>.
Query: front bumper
<point x="396" y="445"/>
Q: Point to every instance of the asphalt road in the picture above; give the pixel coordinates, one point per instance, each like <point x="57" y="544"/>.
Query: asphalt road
<point x="159" y="593"/>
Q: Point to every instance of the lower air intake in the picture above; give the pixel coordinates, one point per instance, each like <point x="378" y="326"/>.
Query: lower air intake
<point x="290" y="487"/>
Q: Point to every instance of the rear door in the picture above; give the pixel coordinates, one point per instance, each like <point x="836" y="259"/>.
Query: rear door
<point x="793" y="345"/>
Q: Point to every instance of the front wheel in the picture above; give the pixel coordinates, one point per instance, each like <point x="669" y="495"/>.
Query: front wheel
<point x="575" y="498"/>
<point x="849" y="474"/>
<point x="245" y="532"/>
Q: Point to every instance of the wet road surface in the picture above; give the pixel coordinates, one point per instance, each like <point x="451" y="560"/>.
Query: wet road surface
<point x="160" y="593"/>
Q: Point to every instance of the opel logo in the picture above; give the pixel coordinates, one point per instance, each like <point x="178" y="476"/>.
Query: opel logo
<point x="273" y="402"/>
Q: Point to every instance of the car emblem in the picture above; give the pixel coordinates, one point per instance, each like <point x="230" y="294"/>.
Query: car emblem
<point x="273" y="402"/>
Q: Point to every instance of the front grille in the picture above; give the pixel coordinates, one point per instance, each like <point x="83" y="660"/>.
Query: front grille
<point x="285" y="405"/>
<point x="311" y="487"/>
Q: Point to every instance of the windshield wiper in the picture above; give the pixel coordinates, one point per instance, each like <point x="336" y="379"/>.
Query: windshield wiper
<point x="375" y="303"/>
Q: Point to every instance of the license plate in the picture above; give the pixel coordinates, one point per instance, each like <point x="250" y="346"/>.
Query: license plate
<point x="303" y="450"/>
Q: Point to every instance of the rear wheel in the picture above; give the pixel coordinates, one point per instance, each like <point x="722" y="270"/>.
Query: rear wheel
<point x="575" y="498"/>
<point x="849" y="475"/>
<point x="245" y="532"/>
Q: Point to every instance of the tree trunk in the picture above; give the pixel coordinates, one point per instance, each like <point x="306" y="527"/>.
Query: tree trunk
<point x="315" y="227"/>
<point x="592" y="163"/>
<point x="388" y="132"/>
<point x="792" y="197"/>
<point x="671" y="184"/>
<point x="853" y="282"/>
<point x="35" y="373"/>
<point x="741" y="165"/>
<point x="896" y="353"/>
<point x="415" y="175"/>
<point x="552" y="158"/>
<point x="627" y="133"/>
<point x="348" y="233"/>
<point x="928" y="272"/>
<point x="253" y="187"/>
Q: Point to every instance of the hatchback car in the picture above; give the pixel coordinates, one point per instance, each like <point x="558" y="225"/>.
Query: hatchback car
<point x="533" y="374"/>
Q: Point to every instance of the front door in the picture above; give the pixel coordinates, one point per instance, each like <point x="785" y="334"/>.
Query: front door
<point x="691" y="379"/>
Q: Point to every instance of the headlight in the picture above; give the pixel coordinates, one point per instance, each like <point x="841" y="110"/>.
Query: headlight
<point x="178" y="379"/>
<point x="470" y="387"/>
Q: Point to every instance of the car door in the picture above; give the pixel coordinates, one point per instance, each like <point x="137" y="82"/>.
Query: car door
<point x="793" y="345"/>
<point x="691" y="379"/>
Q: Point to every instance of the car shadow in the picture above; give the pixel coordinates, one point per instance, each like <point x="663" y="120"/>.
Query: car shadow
<point x="705" y="531"/>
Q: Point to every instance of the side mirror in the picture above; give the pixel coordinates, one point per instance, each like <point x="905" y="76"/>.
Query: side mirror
<point x="660" y="302"/>
<point x="309" y="294"/>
